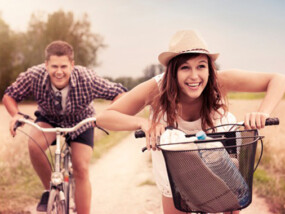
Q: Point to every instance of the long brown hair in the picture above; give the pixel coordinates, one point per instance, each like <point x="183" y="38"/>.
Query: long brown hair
<point x="167" y="102"/>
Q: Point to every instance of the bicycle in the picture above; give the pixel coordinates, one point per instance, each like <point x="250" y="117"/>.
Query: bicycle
<point x="62" y="184"/>
<point x="213" y="174"/>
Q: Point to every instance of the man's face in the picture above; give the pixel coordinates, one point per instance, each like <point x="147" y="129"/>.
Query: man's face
<point x="59" y="69"/>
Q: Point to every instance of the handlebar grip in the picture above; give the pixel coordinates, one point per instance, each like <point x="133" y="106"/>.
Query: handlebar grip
<point x="144" y="149"/>
<point x="139" y="134"/>
<point x="272" y="121"/>
<point x="17" y="124"/>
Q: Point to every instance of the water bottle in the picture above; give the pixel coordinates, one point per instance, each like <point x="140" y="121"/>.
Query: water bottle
<point x="219" y="161"/>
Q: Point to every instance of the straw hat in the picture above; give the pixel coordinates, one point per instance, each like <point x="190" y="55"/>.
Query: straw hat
<point x="183" y="42"/>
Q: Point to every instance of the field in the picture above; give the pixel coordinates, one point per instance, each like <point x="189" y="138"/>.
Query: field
<point x="16" y="172"/>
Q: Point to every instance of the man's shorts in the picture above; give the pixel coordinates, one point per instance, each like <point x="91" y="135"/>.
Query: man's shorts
<point x="86" y="137"/>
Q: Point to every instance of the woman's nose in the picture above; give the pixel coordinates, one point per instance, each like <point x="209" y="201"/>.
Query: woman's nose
<point x="193" y="74"/>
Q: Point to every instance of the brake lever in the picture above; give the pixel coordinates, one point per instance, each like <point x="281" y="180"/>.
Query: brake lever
<point x="95" y="125"/>
<point x="18" y="123"/>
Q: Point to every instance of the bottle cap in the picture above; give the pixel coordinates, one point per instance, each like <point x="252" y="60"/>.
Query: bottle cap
<point x="201" y="135"/>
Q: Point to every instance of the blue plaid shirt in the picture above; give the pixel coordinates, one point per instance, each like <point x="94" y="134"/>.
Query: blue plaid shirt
<point x="84" y="87"/>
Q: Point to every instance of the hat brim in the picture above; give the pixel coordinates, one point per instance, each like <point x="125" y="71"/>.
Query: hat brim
<point x="165" y="57"/>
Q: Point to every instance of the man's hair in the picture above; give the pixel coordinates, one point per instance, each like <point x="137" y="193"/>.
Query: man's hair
<point x="59" y="48"/>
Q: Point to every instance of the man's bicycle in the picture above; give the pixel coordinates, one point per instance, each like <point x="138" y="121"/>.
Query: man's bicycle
<point x="213" y="173"/>
<point x="62" y="184"/>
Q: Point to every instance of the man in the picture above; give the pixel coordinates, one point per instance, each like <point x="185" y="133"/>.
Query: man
<point x="64" y="94"/>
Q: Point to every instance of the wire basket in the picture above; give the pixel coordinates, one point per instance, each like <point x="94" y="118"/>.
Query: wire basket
<point x="217" y="176"/>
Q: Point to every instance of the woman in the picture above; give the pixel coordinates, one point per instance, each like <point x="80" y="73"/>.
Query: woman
<point x="190" y="95"/>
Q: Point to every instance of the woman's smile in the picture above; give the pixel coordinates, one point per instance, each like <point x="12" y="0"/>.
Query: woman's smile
<point x="193" y="86"/>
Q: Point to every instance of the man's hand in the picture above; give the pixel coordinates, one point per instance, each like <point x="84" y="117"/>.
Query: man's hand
<point x="13" y="121"/>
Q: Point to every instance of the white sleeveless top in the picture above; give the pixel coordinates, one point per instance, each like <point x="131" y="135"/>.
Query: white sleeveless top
<point x="189" y="127"/>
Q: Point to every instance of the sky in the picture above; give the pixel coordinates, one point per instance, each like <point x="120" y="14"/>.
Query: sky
<point x="248" y="35"/>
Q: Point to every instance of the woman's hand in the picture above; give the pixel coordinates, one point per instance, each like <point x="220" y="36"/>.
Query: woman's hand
<point x="152" y="134"/>
<point x="255" y="120"/>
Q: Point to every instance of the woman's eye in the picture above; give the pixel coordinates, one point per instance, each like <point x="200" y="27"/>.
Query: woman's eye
<point x="184" y="67"/>
<point x="201" y="66"/>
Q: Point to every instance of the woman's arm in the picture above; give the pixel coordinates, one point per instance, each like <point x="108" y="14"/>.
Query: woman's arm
<point x="121" y="115"/>
<point x="243" y="81"/>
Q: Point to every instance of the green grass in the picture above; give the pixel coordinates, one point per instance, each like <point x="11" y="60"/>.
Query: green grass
<point x="246" y="96"/>
<point x="262" y="178"/>
<point x="147" y="182"/>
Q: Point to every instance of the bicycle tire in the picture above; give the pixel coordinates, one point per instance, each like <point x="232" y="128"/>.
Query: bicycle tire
<point x="72" y="192"/>
<point x="55" y="205"/>
<point x="69" y="186"/>
<point x="67" y="195"/>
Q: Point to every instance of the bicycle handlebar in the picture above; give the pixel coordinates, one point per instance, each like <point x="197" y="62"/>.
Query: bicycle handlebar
<point x="272" y="121"/>
<point x="269" y="122"/>
<point x="57" y="129"/>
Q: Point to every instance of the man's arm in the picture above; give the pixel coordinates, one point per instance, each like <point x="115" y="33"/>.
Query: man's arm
<point x="10" y="104"/>
<point x="17" y="91"/>
<point x="12" y="107"/>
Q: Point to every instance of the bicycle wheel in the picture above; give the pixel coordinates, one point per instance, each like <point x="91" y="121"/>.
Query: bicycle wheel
<point x="55" y="204"/>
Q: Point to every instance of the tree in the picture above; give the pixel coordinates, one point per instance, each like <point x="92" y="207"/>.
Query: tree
<point x="61" y="25"/>
<point x="7" y="56"/>
<point x="149" y="72"/>
<point x="152" y="70"/>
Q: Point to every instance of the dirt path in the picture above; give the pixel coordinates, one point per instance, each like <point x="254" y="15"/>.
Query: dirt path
<point x="122" y="181"/>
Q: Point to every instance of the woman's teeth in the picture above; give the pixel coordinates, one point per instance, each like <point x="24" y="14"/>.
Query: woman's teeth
<point x="193" y="84"/>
